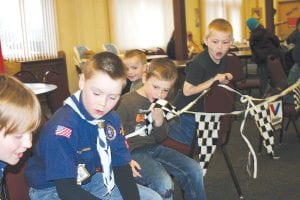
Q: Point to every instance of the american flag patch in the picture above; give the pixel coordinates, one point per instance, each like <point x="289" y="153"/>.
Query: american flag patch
<point x="63" y="131"/>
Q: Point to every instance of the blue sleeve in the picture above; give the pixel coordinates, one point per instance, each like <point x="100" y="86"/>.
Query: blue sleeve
<point x="59" y="154"/>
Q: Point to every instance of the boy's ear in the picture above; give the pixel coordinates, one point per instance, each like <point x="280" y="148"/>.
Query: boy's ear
<point x="81" y="81"/>
<point x="205" y="41"/>
<point x="144" y="77"/>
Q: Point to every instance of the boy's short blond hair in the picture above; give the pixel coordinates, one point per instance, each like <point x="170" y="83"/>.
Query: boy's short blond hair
<point x="136" y="53"/>
<point x="163" y="69"/>
<point x="221" y="25"/>
<point x="20" y="109"/>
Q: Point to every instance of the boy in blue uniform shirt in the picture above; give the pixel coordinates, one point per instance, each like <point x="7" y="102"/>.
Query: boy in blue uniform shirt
<point x="19" y="116"/>
<point x="81" y="153"/>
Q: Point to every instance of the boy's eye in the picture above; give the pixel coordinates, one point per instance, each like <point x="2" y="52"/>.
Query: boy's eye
<point x="113" y="97"/>
<point x="155" y="86"/>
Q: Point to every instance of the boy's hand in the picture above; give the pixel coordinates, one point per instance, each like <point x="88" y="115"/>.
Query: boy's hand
<point x="135" y="166"/>
<point x="224" y="78"/>
<point x="158" y="117"/>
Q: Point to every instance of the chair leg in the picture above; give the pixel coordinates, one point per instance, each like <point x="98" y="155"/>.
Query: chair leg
<point x="260" y="143"/>
<point x="232" y="173"/>
<point x="295" y="126"/>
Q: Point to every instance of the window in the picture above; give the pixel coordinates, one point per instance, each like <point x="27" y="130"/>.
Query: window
<point x="230" y="10"/>
<point x="28" y="29"/>
<point x="141" y="23"/>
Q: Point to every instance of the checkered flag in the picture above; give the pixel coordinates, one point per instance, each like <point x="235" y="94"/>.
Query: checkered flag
<point x="169" y="112"/>
<point x="261" y="114"/>
<point x="208" y="125"/>
<point x="297" y="97"/>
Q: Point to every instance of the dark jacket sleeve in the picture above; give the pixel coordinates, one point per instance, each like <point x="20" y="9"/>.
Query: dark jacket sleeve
<point x="126" y="183"/>
<point x="68" y="189"/>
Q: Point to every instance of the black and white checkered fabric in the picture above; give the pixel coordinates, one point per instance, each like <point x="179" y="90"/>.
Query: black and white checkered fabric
<point x="208" y="125"/>
<point x="263" y="122"/>
<point x="297" y="97"/>
<point x="169" y="112"/>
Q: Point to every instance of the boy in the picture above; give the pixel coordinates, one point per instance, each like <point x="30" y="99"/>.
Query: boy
<point x="81" y="142"/>
<point x="158" y="161"/>
<point x="19" y="116"/>
<point x="136" y="64"/>
<point x="201" y="73"/>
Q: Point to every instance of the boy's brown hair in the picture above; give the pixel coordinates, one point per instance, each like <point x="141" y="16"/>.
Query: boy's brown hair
<point x="221" y="25"/>
<point x="136" y="53"/>
<point x="20" y="109"/>
<point x="163" y="69"/>
<point x="106" y="62"/>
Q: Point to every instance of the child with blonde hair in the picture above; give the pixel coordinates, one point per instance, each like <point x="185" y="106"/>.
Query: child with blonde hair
<point x="205" y="68"/>
<point x="136" y="63"/>
<point x="158" y="162"/>
<point x="20" y="115"/>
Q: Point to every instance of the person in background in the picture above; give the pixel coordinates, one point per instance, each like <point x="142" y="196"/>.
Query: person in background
<point x="171" y="47"/>
<point x="204" y="69"/>
<point x="136" y="63"/>
<point x="158" y="162"/>
<point x="293" y="36"/>
<point x="294" y="73"/>
<point x="20" y="116"/>
<point x="81" y="152"/>
<point x="192" y="47"/>
<point x="263" y="43"/>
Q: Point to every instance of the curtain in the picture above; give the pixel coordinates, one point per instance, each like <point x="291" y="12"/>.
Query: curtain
<point x="2" y="68"/>
<point x="230" y="10"/>
<point x="141" y="23"/>
<point x="28" y="29"/>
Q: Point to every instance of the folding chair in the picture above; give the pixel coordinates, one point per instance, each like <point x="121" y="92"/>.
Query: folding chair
<point x="240" y="81"/>
<point x="56" y="98"/>
<point x="110" y="47"/>
<point x="279" y="82"/>
<point x="220" y="100"/>
<point x="26" y="76"/>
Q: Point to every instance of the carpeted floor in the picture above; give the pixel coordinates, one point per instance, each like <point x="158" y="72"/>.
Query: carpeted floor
<point x="276" y="179"/>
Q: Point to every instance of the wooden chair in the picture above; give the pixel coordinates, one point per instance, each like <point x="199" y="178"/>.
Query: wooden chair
<point x="240" y="81"/>
<point x="56" y="98"/>
<point x="26" y="77"/>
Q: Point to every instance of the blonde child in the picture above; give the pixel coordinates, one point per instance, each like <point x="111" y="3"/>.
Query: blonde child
<point x="136" y="64"/>
<point x="205" y="68"/>
<point x="158" y="162"/>
<point x="19" y="116"/>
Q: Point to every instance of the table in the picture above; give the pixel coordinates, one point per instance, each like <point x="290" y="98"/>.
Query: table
<point x="151" y="57"/>
<point x="246" y="55"/>
<point x="40" y="88"/>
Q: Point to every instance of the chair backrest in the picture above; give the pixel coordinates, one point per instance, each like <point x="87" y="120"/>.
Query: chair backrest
<point x="220" y="100"/>
<point x="276" y="71"/>
<point x="56" y="98"/>
<point x="235" y="67"/>
<point x="26" y="77"/>
<point x="110" y="47"/>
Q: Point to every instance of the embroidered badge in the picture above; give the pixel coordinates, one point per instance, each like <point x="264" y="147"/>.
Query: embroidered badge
<point x="63" y="131"/>
<point x="111" y="132"/>
<point x="82" y="173"/>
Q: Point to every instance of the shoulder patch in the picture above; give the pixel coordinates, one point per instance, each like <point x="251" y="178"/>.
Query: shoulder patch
<point x="63" y="131"/>
<point x="111" y="132"/>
